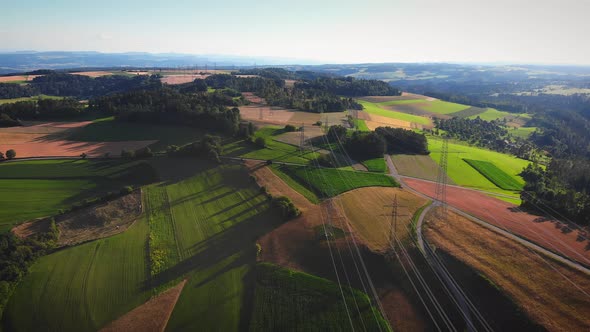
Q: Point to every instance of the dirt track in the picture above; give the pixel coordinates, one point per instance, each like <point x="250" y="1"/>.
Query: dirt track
<point x="551" y="234"/>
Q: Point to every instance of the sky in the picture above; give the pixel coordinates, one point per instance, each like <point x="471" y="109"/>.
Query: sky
<point x="326" y="31"/>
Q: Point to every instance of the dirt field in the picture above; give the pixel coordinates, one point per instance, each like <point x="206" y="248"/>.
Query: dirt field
<point x="290" y="83"/>
<point x="367" y="211"/>
<point x="6" y="79"/>
<point x="294" y="138"/>
<point x="89" y="223"/>
<point x="382" y="121"/>
<point x="417" y="166"/>
<point x="38" y="140"/>
<point x="94" y="73"/>
<point x="551" y="234"/>
<point x="151" y="316"/>
<point x="251" y="97"/>
<point x="299" y="244"/>
<point x="545" y="295"/>
<point x="180" y="79"/>
<point x="273" y="115"/>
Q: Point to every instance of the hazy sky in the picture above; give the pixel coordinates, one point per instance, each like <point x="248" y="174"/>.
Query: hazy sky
<point x="518" y="31"/>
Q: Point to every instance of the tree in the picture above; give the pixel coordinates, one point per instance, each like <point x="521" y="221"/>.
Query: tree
<point x="260" y="141"/>
<point x="10" y="154"/>
<point x="286" y="207"/>
<point x="1" y="156"/>
<point x="336" y="133"/>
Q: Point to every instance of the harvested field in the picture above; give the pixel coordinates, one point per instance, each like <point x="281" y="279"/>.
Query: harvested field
<point x="535" y="283"/>
<point x="551" y="234"/>
<point x="93" y="73"/>
<point x="274" y="115"/>
<point x="25" y="78"/>
<point x="368" y="214"/>
<point x="251" y="97"/>
<point x="150" y="316"/>
<point x="382" y="121"/>
<point x="417" y="166"/>
<point x="181" y="79"/>
<point x="90" y="223"/>
<point x="294" y="138"/>
<point x="39" y="147"/>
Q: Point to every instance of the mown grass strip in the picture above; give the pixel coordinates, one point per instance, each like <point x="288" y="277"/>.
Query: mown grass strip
<point x="287" y="300"/>
<point x="374" y="108"/>
<point x="495" y="175"/>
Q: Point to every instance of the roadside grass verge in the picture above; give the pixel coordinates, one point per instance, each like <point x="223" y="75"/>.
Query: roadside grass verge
<point x="376" y="165"/>
<point x="373" y="108"/>
<point x="290" y="300"/>
<point x="495" y="175"/>
<point x="329" y="182"/>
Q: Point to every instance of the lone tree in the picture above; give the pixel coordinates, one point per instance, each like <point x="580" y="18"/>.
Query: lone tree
<point x="10" y="154"/>
<point x="1" y="155"/>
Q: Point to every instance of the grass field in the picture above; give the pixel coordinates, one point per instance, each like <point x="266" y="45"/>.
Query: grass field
<point x="491" y="114"/>
<point x="444" y="107"/>
<point x="310" y="195"/>
<point x="373" y="108"/>
<point x="402" y="102"/>
<point x="274" y="150"/>
<point x="31" y="189"/>
<point x="522" y="132"/>
<point x="109" y="130"/>
<point x="465" y="175"/>
<point x="329" y="182"/>
<point x="82" y="288"/>
<point x="361" y="125"/>
<point x="376" y="165"/>
<point x="288" y="300"/>
<point x="33" y="98"/>
<point x="495" y="175"/>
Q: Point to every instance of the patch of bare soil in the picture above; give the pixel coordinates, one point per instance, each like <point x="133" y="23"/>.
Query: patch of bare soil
<point x="90" y="223"/>
<point x="267" y="114"/>
<point x="551" y="294"/>
<point x="6" y="79"/>
<point x="151" y="316"/>
<point x="181" y="79"/>
<point x="382" y="121"/>
<point x="251" y="97"/>
<point x="93" y="73"/>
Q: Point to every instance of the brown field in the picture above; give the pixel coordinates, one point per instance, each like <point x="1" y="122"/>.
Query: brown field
<point x="294" y="138"/>
<point x="251" y="97"/>
<point x="151" y="316"/>
<point x="41" y="140"/>
<point x="300" y="244"/>
<point x="274" y="115"/>
<point x="550" y="234"/>
<point x="181" y="79"/>
<point x="290" y="83"/>
<point x="404" y="96"/>
<point x="93" y="73"/>
<point x="417" y="166"/>
<point x="532" y="282"/>
<point x="90" y="223"/>
<point x="7" y="79"/>
<point x="383" y="121"/>
<point x="366" y="210"/>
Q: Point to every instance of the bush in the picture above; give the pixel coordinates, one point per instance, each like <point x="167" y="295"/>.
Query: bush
<point x="126" y="190"/>
<point x="1" y="156"/>
<point x="287" y="209"/>
<point x="336" y="133"/>
<point x="326" y="160"/>
<point x="10" y="154"/>
<point x="290" y="128"/>
<point x="127" y="154"/>
<point x="260" y="141"/>
<point x="144" y="153"/>
<point x="318" y="123"/>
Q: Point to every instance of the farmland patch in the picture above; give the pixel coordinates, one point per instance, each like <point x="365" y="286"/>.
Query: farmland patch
<point x="495" y="175"/>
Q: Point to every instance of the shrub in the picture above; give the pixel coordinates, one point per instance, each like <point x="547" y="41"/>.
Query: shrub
<point x="318" y="123"/>
<point x="127" y="154"/>
<point x="1" y="155"/>
<point x="144" y="153"/>
<point x="287" y="209"/>
<point x="260" y="141"/>
<point x="258" y="250"/>
<point x="10" y="154"/>
<point x="126" y="190"/>
<point x="290" y="128"/>
<point x="83" y="155"/>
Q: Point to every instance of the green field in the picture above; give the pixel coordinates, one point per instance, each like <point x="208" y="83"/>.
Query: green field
<point x="109" y="130"/>
<point x="274" y="150"/>
<point x="31" y="189"/>
<point x="376" y="165"/>
<point x="33" y="98"/>
<point x="310" y="195"/>
<point x="495" y="175"/>
<point x="361" y="125"/>
<point x="491" y="114"/>
<point x="522" y="132"/>
<point x="330" y="182"/>
<point x="465" y="175"/>
<point x="444" y="107"/>
<point x="84" y="287"/>
<point x="403" y="102"/>
<point x="374" y="108"/>
<point x="287" y="300"/>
